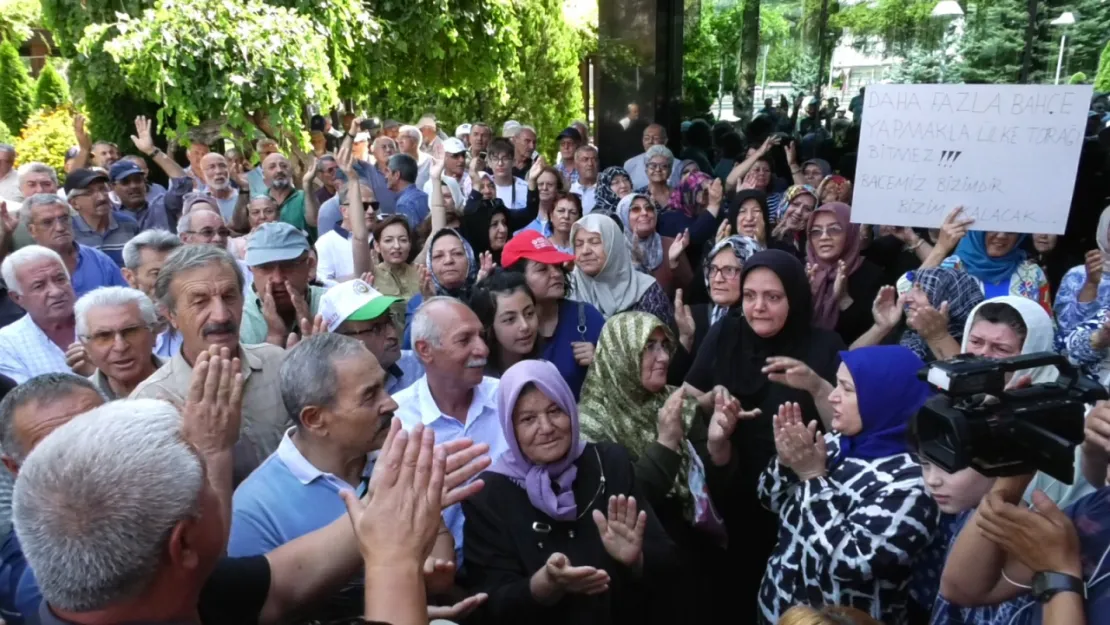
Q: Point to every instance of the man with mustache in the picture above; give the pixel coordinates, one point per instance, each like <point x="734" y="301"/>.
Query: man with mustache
<point x="201" y="289"/>
<point x="96" y="223"/>
<point x="278" y="175"/>
<point x="454" y="398"/>
<point x="335" y="390"/>
<point x="217" y="176"/>
<point x="356" y="309"/>
<point x="39" y="283"/>
<point x="282" y="298"/>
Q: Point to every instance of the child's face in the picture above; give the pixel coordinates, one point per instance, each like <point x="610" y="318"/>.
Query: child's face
<point x="955" y="492"/>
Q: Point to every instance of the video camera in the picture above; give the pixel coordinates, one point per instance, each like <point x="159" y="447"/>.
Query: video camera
<point x="977" y="422"/>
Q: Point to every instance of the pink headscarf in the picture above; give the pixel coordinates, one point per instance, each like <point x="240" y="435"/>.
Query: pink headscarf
<point x="685" y="197"/>
<point x="826" y="307"/>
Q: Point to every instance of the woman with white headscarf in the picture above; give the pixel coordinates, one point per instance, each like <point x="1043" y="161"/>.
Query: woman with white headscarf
<point x="1085" y="288"/>
<point x="604" y="275"/>
<point x="1008" y="326"/>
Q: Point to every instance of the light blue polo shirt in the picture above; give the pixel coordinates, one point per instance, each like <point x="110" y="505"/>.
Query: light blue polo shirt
<point x="283" y="499"/>
<point x="94" y="270"/>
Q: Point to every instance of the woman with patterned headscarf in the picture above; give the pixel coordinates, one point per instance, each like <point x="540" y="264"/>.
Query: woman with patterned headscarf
<point x="695" y="208"/>
<point x="658" y="256"/>
<point x="904" y="313"/>
<point x="612" y="185"/>
<point x="792" y="215"/>
<point x="723" y="266"/>
<point x="626" y="400"/>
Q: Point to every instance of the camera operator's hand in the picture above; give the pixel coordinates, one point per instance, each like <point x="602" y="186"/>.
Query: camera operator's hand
<point x="800" y="448"/>
<point x="1097" y="431"/>
<point x="1043" y="539"/>
<point x="1012" y="488"/>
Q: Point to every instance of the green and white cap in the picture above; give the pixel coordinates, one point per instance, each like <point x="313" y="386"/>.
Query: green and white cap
<point x="353" y="300"/>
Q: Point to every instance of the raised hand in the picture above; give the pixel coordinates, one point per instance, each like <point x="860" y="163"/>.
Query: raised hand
<point x="143" y="139"/>
<point x="727" y="413"/>
<point x="1093" y="263"/>
<point x="439" y="575"/>
<point x="1096" y="432"/>
<point x="723" y="231"/>
<point x="684" y="318"/>
<point x="716" y="192"/>
<point x="427" y="287"/>
<point x="436" y="170"/>
<point x="368" y="278"/>
<point x="78" y="360"/>
<point x="953" y="229"/>
<point x="811" y="275"/>
<point x="678" y="246"/>
<point x="887" y="309"/>
<point x="237" y="175"/>
<point x="748" y="182"/>
<point x="622" y="531"/>
<point x="485" y="266"/>
<point x="8" y="222"/>
<point x="83" y="138"/>
<point x="800" y="448"/>
<point x="931" y="323"/>
<point x="840" y="283"/>
<point x="310" y="172"/>
<point x="213" y="411"/>
<point x="671" y="428"/>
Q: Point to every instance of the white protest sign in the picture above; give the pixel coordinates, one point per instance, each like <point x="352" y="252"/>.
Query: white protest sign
<point x="1007" y="153"/>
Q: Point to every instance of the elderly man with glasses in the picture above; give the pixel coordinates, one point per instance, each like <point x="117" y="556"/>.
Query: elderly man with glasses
<point x="116" y="325"/>
<point x="356" y="309"/>
<point x="97" y="224"/>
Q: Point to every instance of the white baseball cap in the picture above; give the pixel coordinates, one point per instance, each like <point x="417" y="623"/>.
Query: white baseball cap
<point x="462" y="131"/>
<point x="353" y="300"/>
<point x="453" y="146"/>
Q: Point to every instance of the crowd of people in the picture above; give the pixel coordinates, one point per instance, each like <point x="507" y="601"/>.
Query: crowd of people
<point x="408" y="376"/>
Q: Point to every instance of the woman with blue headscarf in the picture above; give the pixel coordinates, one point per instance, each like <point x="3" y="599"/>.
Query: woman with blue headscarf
<point x="852" y="506"/>
<point x="560" y="533"/>
<point x="998" y="262"/>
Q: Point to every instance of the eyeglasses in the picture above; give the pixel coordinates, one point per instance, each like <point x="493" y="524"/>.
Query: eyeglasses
<point x="500" y="160"/>
<point x="208" y="233"/>
<point x="108" y="337"/>
<point x="377" y="330"/>
<point x="656" y="167"/>
<point x="730" y="272"/>
<point x="834" y="230"/>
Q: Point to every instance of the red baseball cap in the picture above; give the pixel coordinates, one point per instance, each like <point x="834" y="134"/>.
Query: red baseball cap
<point x="533" y="246"/>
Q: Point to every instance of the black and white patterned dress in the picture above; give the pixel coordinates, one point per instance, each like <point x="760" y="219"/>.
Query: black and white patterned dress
<point x="848" y="538"/>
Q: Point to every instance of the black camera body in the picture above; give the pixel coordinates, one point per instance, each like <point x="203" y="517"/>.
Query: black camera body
<point x="975" y="421"/>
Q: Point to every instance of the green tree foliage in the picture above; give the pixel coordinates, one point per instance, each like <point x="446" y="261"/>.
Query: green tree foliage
<point x="51" y="90"/>
<point x="47" y="136"/>
<point x="902" y="26"/>
<point x="1078" y="78"/>
<point x="994" y="43"/>
<point x="1102" y="77"/>
<point x="16" y="101"/>
<point x="17" y="17"/>
<point x="1086" y="37"/>
<point x="254" y="64"/>
<point x="540" y="84"/>
<point x="5" y="134"/>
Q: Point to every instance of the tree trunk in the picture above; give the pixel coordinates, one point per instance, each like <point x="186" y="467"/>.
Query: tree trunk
<point x="748" y="62"/>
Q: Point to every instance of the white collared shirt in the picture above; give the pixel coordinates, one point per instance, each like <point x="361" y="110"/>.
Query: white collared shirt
<point x="588" y="195"/>
<point x="483" y="425"/>
<point x="26" y="351"/>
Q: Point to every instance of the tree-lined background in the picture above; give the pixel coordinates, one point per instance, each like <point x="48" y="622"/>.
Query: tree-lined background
<point x="255" y="67"/>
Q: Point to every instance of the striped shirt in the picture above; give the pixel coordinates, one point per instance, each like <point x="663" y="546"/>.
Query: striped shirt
<point x="121" y="227"/>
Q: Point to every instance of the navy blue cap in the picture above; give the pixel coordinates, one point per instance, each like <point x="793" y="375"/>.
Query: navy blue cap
<point x="122" y="169"/>
<point x="570" y="133"/>
<point x="81" y="178"/>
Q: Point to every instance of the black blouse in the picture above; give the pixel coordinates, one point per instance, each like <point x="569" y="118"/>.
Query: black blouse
<point x="863" y="286"/>
<point x="507" y="540"/>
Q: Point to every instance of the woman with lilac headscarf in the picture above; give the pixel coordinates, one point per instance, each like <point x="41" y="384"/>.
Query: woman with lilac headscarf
<point x="560" y="533"/>
<point x="844" y="283"/>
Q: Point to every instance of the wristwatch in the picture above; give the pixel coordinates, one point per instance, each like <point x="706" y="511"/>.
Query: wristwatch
<point x="1046" y="584"/>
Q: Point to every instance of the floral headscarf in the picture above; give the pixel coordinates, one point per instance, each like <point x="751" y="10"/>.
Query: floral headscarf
<point x="839" y="185"/>
<point x="788" y="197"/>
<point x="604" y="198"/>
<point x="685" y="197"/>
